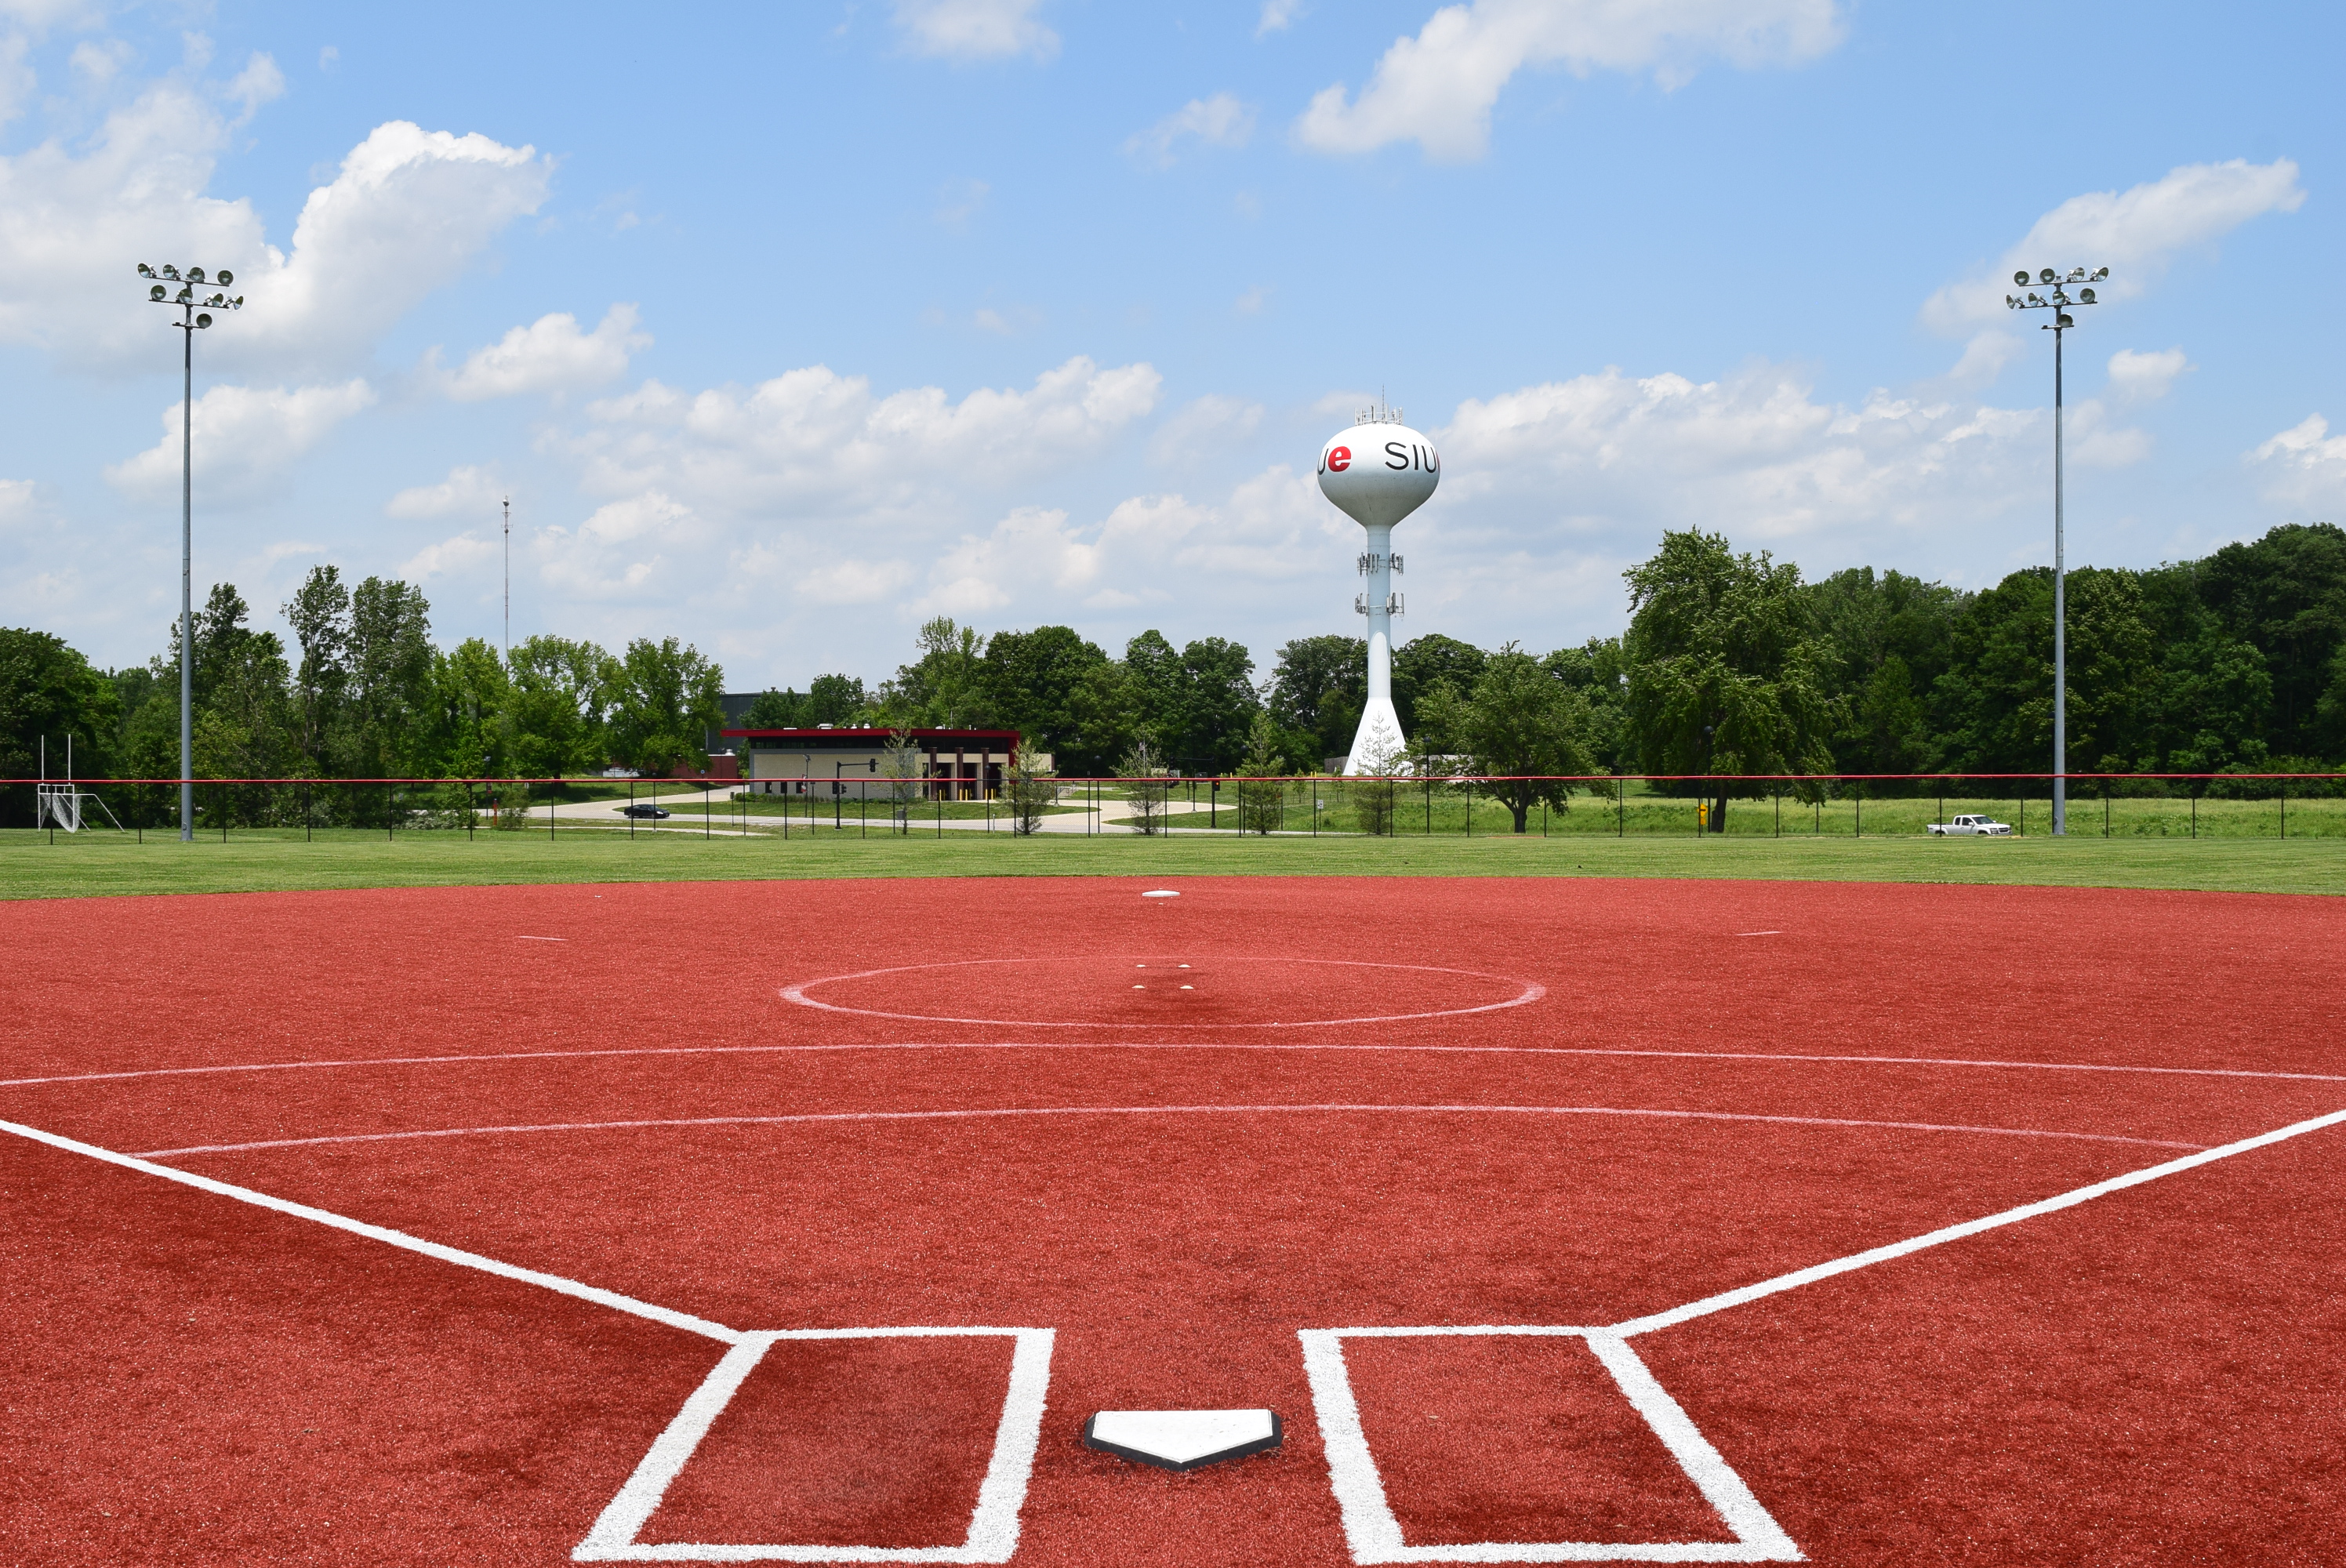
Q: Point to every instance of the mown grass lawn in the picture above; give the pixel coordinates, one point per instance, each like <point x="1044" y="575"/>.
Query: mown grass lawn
<point x="102" y="863"/>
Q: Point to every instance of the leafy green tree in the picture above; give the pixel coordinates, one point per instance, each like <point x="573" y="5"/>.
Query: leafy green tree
<point x="1103" y="718"/>
<point x="1726" y="674"/>
<point x="1890" y="635"/>
<point x="1318" y="686"/>
<point x="2113" y="670"/>
<point x="48" y="691"/>
<point x="473" y="712"/>
<point x="2285" y="595"/>
<point x="244" y="716"/>
<point x="664" y="698"/>
<point x="943" y="689"/>
<point x="772" y="709"/>
<point x="1029" y="789"/>
<point x="1147" y="787"/>
<point x="834" y="699"/>
<point x="1422" y="664"/>
<point x="1033" y="679"/>
<point x="1263" y="794"/>
<point x="1219" y="703"/>
<point x="1995" y="704"/>
<point x="900" y="765"/>
<point x="1596" y="671"/>
<point x="557" y="707"/>
<point x="386" y="720"/>
<point x="1517" y="720"/>
<point x="320" y="614"/>
<point x="246" y="726"/>
<point x="1156" y="695"/>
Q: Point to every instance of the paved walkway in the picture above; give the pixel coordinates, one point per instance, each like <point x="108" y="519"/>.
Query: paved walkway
<point x="1111" y="815"/>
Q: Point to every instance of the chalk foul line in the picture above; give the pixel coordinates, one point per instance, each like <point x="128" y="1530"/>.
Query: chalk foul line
<point x="389" y="1238"/>
<point x="1939" y="1237"/>
<point x="821" y="1117"/>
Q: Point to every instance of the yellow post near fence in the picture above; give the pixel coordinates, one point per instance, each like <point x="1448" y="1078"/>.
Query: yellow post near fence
<point x="1702" y="816"/>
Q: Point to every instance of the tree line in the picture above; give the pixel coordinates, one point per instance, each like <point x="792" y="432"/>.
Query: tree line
<point x="363" y="693"/>
<point x="1731" y="664"/>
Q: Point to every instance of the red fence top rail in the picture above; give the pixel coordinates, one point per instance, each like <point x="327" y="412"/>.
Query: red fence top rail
<point x="655" y="780"/>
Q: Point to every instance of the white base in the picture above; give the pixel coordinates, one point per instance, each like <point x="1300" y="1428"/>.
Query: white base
<point x="1377" y="745"/>
<point x="1182" y="1439"/>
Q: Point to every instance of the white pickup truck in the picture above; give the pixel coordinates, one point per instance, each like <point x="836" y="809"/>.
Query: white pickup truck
<point x="1969" y="827"/>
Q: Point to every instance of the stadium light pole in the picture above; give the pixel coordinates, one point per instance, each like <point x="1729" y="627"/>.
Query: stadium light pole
<point x="191" y="320"/>
<point x="2058" y="301"/>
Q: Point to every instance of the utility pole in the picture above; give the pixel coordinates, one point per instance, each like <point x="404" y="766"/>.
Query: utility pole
<point x="508" y="580"/>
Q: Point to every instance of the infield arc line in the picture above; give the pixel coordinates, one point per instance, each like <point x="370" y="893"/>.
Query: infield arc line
<point x="819" y="1118"/>
<point x="325" y="1064"/>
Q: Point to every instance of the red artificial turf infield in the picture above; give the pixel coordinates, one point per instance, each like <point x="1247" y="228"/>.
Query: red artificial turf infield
<point x="2149" y="1378"/>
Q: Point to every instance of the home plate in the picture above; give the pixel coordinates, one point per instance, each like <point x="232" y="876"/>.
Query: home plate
<point x="1181" y="1440"/>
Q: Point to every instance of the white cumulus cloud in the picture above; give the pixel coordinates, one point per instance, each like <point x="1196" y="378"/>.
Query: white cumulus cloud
<point x="259" y="82"/>
<point x="2133" y="232"/>
<point x="624" y="550"/>
<point x="550" y="354"/>
<point x="1278" y="17"/>
<point x="1273" y="530"/>
<point x="245" y="437"/>
<point x="1031" y="548"/>
<point x="852" y="582"/>
<point x="2305" y="465"/>
<point x="2146" y="378"/>
<point x="469" y="489"/>
<point x="811" y="441"/>
<point x="406" y="213"/>
<point x="463" y="556"/>
<point x="1218" y="121"/>
<point x="1756" y="453"/>
<point x="976" y="29"/>
<point x="1437" y="89"/>
<point x="1985" y="357"/>
<point x="1204" y="424"/>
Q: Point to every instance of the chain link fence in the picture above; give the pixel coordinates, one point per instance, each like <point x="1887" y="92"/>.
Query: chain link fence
<point x="2128" y="805"/>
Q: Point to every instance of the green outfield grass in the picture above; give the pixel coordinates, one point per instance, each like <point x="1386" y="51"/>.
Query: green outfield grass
<point x="97" y="864"/>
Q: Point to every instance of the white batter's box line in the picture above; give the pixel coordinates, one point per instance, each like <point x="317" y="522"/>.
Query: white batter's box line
<point x="1374" y="1534"/>
<point x="992" y="1524"/>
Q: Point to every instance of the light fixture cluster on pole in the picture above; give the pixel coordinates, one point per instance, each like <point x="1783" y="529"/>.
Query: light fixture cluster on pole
<point x="2057" y="299"/>
<point x="194" y="315"/>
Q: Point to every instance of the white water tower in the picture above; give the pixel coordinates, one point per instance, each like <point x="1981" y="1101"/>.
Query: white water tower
<point x="1379" y="472"/>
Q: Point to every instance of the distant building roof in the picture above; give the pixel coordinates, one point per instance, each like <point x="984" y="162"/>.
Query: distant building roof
<point x="828" y="738"/>
<point x="875" y="729"/>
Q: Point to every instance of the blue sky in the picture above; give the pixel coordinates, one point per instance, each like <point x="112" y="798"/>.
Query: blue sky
<point x="787" y="327"/>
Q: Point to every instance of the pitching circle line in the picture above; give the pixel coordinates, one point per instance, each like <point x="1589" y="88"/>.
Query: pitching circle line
<point x="1532" y="992"/>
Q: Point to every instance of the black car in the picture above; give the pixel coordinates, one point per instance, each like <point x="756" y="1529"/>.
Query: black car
<point x="644" y="810"/>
